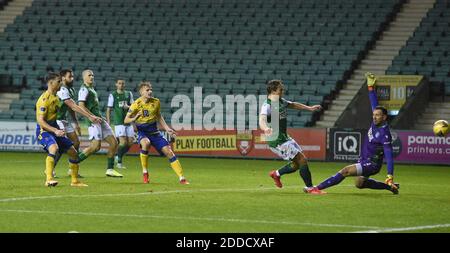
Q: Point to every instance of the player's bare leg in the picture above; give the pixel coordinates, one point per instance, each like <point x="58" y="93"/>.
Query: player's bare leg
<point x="349" y="170"/>
<point x="174" y="163"/>
<point x="75" y="140"/>
<point x="94" y="146"/>
<point x="143" y="156"/>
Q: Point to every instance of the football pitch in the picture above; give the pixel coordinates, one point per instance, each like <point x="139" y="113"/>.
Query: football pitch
<point x="225" y="195"/>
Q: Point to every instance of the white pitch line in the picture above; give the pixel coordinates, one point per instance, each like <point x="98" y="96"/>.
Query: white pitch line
<point x="140" y="193"/>
<point x="148" y="193"/>
<point x="214" y="219"/>
<point x="387" y="230"/>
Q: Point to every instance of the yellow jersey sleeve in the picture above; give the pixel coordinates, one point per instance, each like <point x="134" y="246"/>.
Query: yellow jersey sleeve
<point x="48" y="106"/>
<point x="41" y="108"/>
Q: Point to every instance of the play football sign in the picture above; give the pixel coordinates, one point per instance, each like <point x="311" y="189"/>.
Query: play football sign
<point x="242" y="144"/>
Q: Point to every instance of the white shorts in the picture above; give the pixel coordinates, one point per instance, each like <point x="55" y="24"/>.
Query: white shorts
<point x="124" y="131"/>
<point x="288" y="150"/>
<point x="99" y="131"/>
<point x="66" y="126"/>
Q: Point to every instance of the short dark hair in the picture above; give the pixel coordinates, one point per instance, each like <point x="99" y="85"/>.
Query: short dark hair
<point x="382" y="109"/>
<point x="64" y="72"/>
<point x="51" y="75"/>
<point x="273" y="85"/>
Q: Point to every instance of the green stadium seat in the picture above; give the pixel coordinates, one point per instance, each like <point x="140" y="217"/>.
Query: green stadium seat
<point x="30" y="114"/>
<point x="29" y="105"/>
<point x="207" y="43"/>
<point x="19" y="114"/>
<point x="5" y="115"/>
<point x="309" y="90"/>
<point x="16" y="105"/>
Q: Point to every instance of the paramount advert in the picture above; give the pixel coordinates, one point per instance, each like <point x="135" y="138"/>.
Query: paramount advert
<point x="419" y="147"/>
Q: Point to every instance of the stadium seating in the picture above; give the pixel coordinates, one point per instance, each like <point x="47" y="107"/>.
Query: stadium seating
<point x="428" y="51"/>
<point x="227" y="47"/>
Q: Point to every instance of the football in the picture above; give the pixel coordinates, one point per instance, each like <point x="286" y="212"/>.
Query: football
<point x="440" y="128"/>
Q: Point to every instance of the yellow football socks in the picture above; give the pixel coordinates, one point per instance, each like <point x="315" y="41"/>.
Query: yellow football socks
<point x="176" y="166"/>
<point x="144" y="160"/>
<point x="49" y="164"/>
<point x="74" y="167"/>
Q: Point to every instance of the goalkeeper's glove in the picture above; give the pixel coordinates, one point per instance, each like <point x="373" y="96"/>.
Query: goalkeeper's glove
<point x="371" y="79"/>
<point x="389" y="180"/>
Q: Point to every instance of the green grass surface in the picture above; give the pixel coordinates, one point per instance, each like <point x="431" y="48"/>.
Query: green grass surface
<point x="225" y="195"/>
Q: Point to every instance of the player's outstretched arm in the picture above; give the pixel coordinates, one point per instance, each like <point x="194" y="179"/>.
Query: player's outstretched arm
<point x="82" y="105"/>
<point x="371" y="80"/>
<point x="82" y="110"/>
<point x="300" y="106"/>
<point x="164" y="125"/>
<point x="389" y="155"/>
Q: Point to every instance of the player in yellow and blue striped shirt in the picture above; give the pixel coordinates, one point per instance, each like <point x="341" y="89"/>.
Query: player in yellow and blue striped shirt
<point x="146" y="113"/>
<point x="50" y="136"/>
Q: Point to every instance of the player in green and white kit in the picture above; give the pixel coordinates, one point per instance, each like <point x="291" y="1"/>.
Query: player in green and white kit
<point x="88" y="99"/>
<point x="118" y="102"/>
<point x="66" y="118"/>
<point x="281" y="143"/>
